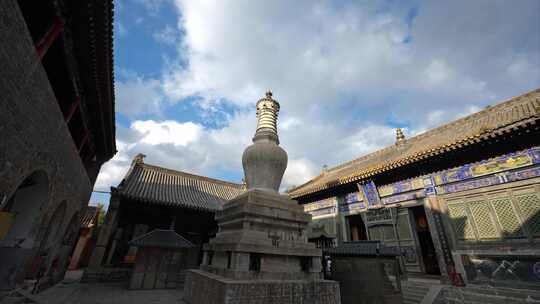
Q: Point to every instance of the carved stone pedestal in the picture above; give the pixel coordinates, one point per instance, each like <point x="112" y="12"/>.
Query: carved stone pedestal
<point x="260" y="255"/>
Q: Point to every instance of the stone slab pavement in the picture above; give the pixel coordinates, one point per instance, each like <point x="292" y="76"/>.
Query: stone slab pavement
<point x="71" y="291"/>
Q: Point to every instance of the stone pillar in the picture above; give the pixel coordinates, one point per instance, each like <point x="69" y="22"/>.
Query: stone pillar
<point x="105" y="232"/>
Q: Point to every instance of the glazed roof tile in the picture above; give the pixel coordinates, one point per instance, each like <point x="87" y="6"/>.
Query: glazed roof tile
<point x="491" y="122"/>
<point x="157" y="185"/>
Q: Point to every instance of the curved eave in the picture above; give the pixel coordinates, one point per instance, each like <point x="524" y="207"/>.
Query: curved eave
<point x="419" y="156"/>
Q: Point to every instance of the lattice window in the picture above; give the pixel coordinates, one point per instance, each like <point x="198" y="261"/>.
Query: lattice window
<point x="529" y="204"/>
<point x="403" y="227"/>
<point x="507" y="217"/>
<point x="460" y="221"/>
<point x="485" y="226"/>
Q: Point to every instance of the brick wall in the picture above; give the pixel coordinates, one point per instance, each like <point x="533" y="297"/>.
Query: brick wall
<point x="33" y="134"/>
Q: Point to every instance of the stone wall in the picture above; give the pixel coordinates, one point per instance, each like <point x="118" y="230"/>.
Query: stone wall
<point x="34" y="138"/>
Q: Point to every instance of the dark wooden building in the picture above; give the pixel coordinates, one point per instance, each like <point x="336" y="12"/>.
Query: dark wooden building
<point x="152" y="197"/>
<point x="56" y="129"/>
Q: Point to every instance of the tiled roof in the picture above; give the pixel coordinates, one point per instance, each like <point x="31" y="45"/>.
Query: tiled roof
<point x="89" y="217"/>
<point x="161" y="238"/>
<point x="491" y="122"/>
<point x="157" y="185"/>
<point x="362" y="248"/>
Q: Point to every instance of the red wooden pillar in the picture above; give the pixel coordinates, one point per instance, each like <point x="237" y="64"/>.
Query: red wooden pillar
<point x="74" y="106"/>
<point x="82" y="142"/>
<point x="54" y="31"/>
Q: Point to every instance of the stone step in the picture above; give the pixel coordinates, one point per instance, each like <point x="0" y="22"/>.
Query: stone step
<point x="414" y="293"/>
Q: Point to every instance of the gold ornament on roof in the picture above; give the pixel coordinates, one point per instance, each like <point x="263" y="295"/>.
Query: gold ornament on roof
<point x="400" y="137"/>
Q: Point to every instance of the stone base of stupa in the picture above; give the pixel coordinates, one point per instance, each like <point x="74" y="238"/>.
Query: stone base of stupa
<point x="260" y="255"/>
<point x="208" y="288"/>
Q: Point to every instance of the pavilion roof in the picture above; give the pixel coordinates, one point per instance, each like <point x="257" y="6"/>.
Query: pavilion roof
<point x="156" y="185"/>
<point x="161" y="238"/>
<point x="493" y="121"/>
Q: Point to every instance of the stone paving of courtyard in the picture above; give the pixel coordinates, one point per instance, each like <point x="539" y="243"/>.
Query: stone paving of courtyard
<point x="71" y="291"/>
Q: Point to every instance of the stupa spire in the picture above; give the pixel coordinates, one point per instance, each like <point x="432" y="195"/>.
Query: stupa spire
<point x="267" y="115"/>
<point x="265" y="161"/>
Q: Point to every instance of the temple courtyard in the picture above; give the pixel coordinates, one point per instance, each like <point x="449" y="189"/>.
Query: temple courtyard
<point x="71" y="291"/>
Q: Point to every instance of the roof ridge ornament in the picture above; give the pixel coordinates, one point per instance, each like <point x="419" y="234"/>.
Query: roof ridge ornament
<point x="139" y="158"/>
<point x="400" y="137"/>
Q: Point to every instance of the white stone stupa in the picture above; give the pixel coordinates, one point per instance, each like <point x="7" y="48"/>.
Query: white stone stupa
<point x="261" y="253"/>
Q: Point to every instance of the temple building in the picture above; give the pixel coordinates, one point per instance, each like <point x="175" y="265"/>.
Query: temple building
<point x="461" y="200"/>
<point x="57" y="129"/>
<point x="152" y="198"/>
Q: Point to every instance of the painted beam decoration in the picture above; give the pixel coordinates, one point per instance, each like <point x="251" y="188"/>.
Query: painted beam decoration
<point x="507" y="168"/>
<point x="503" y="169"/>
<point x="403" y="197"/>
<point x="371" y="195"/>
<point x="401" y="186"/>
<point x="490" y="180"/>
<point x="323" y="207"/>
<point x="502" y="163"/>
<point x="351" y="204"/>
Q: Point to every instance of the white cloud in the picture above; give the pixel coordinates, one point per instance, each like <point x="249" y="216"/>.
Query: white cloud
<point x="167" y="35"/>
<point x="313" y="53"/>
<point x="184" y="146"/>
<point x="138" y="95"/>
<point x="298" y="172"/>
<point x="193" y="148"/>
<point x="167" y="132"/>
<point x="340" y="71"/>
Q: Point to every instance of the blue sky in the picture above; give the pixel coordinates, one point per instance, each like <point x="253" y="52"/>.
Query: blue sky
<point x="347" y="73"/>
